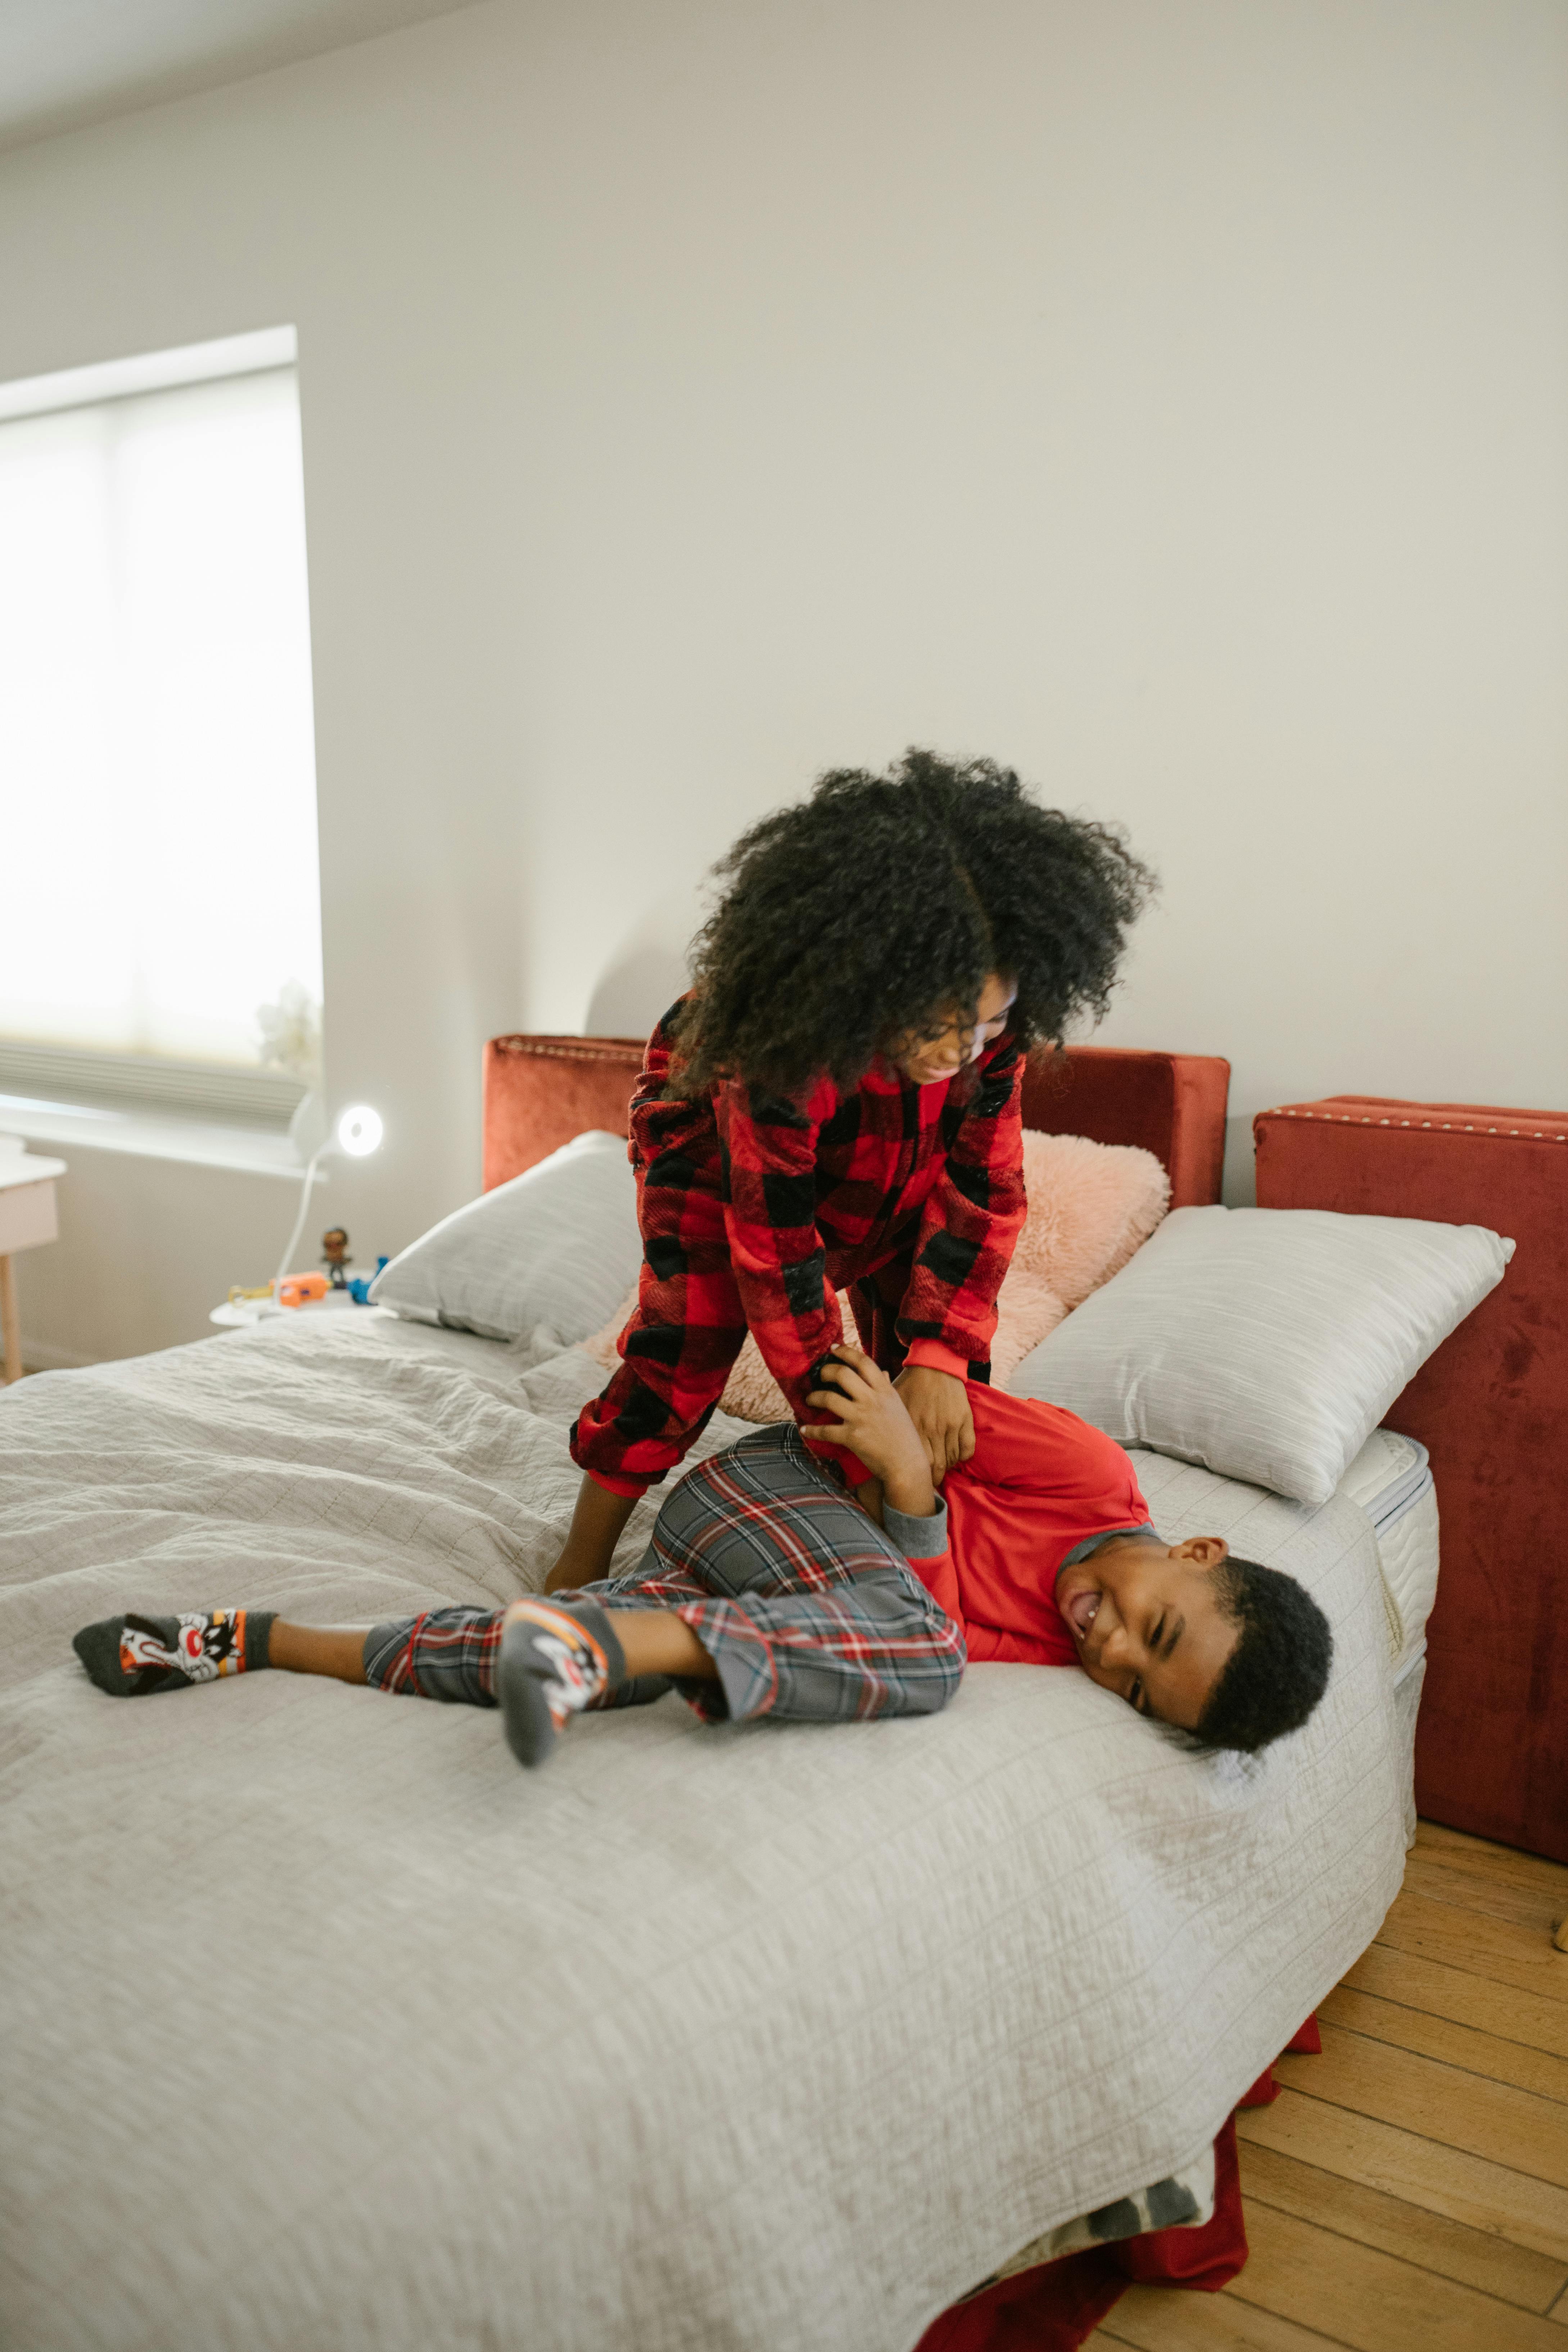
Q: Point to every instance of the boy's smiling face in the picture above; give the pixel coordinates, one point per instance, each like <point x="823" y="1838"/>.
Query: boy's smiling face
<point x="1147" y="1622"/>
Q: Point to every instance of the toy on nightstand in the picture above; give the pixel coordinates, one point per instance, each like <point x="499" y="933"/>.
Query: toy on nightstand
<point x="359" y="1289"/>
<point x="302" y="1289"/>
<point x="357" y="1132"/>
<point x="335" y="1258"/>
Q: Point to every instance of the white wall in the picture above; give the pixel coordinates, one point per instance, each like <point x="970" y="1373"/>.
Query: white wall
<point x="1167" y="400"/>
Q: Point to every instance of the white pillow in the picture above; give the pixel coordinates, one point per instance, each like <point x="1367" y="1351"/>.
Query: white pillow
<point x="559" y="1244"/>
<point x="1266" y="1344"/>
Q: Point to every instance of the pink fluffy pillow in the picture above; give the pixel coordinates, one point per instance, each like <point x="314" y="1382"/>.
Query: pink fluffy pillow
<point x="1091" y="1206"/>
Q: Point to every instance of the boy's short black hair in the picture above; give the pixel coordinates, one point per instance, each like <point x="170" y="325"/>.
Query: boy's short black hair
<point x="1279" y="1669"/>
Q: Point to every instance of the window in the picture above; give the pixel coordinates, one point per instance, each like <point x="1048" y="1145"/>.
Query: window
<point x="162" y="925"/>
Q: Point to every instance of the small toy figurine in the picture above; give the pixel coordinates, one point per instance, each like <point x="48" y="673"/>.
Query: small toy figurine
<point x="335" y="1256"/>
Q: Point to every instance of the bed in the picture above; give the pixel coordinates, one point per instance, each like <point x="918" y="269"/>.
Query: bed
<point x="330" y="2028"/>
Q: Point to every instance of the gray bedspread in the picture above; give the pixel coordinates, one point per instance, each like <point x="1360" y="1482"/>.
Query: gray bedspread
<point x="328" y="2030"/>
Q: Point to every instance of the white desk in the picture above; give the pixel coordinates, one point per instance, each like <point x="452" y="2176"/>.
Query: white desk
<point x="27" y="1216"/>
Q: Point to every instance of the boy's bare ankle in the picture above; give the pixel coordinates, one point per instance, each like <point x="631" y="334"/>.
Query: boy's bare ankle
<point x="334" y="1649"/>
<point x="658" y="1642"/>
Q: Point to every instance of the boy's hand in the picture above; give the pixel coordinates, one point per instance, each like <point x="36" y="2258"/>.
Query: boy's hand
<point x="938" y="1404"/>
<point x="869" y="1416"/>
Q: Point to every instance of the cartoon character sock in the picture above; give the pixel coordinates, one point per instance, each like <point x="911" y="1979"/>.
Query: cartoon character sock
<point x="556" y="1658"/>
<point x="130" y="1656"/>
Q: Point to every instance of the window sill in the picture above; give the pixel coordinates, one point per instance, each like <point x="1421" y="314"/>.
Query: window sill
<point x="247" y="1151"/>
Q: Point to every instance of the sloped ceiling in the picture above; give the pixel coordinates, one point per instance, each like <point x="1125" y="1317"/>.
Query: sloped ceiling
<point x="66" y="63"/>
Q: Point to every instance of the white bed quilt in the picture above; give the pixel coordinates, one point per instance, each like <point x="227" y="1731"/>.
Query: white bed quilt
<point x="328" y="2027"/>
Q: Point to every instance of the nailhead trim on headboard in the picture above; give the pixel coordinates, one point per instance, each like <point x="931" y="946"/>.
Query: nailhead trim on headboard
<point x="1442" y="1126"/>
<point x="571" y="1049"/>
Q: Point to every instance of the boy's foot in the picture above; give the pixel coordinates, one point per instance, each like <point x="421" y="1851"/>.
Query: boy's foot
<point x="556" y="1658"/>
<point x="130" y="1655"/>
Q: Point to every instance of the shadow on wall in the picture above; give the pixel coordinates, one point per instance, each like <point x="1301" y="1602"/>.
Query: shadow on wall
<point x="1239" y="1190"/>
<point x="632" y="994"/>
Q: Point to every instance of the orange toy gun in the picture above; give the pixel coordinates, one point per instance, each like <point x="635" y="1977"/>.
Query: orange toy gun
<point x="299" y="1289"/>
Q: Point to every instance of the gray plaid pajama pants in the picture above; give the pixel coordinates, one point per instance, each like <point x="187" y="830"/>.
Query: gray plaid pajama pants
<point x="809" y="1612"/>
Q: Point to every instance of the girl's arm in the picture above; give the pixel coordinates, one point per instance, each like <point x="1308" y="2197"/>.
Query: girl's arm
<point x="970" y="1225"/>
<point x="776" y="1250"/>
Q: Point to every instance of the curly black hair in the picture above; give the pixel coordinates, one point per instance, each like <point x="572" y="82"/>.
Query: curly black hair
<point x="880" y="904"/>
<point x="1279" y="1670"/>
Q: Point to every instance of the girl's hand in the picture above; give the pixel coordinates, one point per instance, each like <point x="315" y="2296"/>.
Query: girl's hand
<point x="937" y="1405"/>
<point x="869" y="1416"/>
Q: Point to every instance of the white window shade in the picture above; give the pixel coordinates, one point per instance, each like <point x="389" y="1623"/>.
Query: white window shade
<point x="155" y="726"/>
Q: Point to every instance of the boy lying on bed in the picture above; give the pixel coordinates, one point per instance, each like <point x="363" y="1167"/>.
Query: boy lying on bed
<point x="768" y="1590"/>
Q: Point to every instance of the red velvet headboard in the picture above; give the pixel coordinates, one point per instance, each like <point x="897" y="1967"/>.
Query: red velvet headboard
<point x="541" y="1091"/>
<point x="1491" y="1408"/>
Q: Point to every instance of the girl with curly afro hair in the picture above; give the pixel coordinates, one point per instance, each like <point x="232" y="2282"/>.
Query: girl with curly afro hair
<point x="834" y="1105"/>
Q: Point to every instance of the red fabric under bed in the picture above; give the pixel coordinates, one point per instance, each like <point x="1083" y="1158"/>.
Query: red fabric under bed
<point x="1058" y="2305"/>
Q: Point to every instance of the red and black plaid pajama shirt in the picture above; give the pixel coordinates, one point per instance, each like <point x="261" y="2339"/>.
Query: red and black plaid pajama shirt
<point x="755" y="1212"/>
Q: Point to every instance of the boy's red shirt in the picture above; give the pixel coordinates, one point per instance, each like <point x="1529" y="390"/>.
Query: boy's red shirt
<point x="1038" y="1484"/>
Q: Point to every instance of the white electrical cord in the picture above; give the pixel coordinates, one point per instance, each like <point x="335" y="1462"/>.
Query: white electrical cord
<point x="358" y="1132"/>
<point x="293" y="1242"/>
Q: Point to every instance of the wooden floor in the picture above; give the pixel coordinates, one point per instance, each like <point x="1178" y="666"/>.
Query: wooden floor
<point x="1408" y="2190"/>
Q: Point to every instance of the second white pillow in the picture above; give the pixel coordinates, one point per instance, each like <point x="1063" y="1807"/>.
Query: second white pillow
<point x="1265" y="1343"/>
<point x="556" y="1245"/>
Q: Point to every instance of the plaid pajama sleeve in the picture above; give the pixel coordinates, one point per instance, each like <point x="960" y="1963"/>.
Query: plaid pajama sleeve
<point x="755" y="1212"/>
<point x="772" y="1155"/>
<point x="689" y="1325"/>
<point x="809" y="1612"/>
<point x="971" y="1221"/>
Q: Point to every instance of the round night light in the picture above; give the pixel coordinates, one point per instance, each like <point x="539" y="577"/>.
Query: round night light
<point x="360" y="1130"/>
